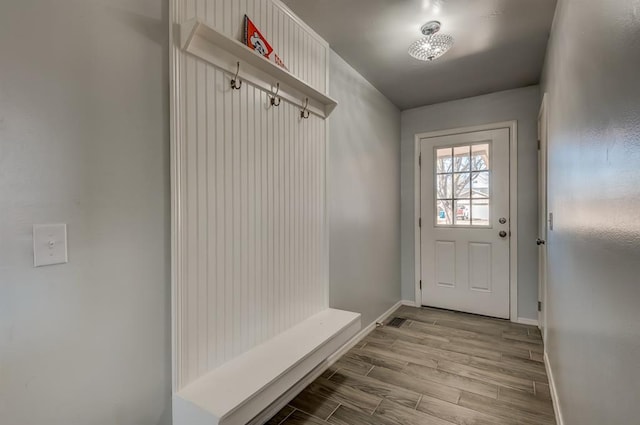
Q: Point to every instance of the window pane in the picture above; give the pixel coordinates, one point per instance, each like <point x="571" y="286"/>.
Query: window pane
<point x="480" y="212"/>
<point x="461" y="158"/>
<point x="461" y="185"/>
<point x="443" y="160"/>
<point x="480" y="157"/>
<point x="444" y="189"/>
<point x="480" y="185"/>
<point x="444" y="212"/>
<point x="463" y="212"/>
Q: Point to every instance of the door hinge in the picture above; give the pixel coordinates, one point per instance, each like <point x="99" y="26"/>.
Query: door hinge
<point x="421" y="285"/>
<point x="539" y="305"/>
<point x="420" y="222"/>
<point x="420" y="160"/>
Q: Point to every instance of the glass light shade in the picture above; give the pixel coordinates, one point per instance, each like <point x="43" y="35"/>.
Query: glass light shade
<point x="431" y="47"/>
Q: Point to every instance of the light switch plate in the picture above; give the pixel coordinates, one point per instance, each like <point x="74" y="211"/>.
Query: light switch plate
<point x="49" y="244"/>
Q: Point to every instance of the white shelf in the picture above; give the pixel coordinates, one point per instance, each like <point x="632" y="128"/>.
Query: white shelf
<point x="240" y="389"/>
<point x="216" y="48"/>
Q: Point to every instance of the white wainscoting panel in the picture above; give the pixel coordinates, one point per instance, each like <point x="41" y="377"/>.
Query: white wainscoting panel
<point x="249" y="194"/>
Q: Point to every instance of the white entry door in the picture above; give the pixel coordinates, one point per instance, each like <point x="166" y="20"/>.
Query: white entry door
<point x="542" y="217"/>
<point x="464" y="214"/>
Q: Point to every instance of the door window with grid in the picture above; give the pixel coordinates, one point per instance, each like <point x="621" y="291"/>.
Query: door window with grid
<point x="463" y="185"/>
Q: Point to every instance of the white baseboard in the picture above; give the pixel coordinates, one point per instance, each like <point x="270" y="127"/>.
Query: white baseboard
<point x="409" y="303"/>
<point x="552" y="388"/>
<point x="298" y="387"/>
<point x="364" y="332"/>
<point x="525" y="321"/>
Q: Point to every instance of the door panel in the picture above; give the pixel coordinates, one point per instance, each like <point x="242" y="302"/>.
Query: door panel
<point x="480" y="266"/>
<point x="464" y="205"/>
<point x="445" y="263"/>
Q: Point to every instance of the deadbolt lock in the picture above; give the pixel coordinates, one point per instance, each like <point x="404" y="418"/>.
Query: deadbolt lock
<point x="502" y="220"/>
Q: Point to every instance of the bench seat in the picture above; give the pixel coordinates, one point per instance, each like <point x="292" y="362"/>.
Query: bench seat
<point x="240" y="389"/>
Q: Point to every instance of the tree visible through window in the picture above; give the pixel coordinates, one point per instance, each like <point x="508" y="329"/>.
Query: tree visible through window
<point x="462" y="185"/>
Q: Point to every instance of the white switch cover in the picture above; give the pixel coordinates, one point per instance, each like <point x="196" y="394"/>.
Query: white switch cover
<point x="49" y="244"/>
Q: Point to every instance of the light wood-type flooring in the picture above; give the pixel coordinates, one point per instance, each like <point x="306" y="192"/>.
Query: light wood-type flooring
<point x="440" y="367"/>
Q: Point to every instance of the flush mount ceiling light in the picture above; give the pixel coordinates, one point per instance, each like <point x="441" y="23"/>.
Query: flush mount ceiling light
<point x="433" y="45"/>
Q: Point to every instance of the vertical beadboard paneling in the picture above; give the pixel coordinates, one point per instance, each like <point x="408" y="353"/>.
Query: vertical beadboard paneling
<point x="220" y="234"/>
<point x="251" y="199"/>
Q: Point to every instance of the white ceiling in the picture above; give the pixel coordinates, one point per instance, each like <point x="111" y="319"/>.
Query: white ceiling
<point x="499" y="44"/>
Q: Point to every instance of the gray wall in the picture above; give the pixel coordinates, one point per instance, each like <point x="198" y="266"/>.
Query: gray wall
<point x="591" y="77"/>
<point x="84" y="141"/>
<point x="519" y="104"/>
<point x="364" y="195"/>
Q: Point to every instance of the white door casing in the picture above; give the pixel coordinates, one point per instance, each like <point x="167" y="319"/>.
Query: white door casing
<point x="464" y="260"/>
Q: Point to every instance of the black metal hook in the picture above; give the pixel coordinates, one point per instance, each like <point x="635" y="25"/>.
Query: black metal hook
<point x="305" y="111"/>
<point x="235" y="79"/>
<point x="275" y="100"/>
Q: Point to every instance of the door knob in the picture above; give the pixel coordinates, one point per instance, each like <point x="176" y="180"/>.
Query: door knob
<point x="502" y="234"/>
<point x="540" y="242"/>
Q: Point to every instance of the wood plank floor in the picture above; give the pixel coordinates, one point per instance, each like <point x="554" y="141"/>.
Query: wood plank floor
<point x="440" y="367"/>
